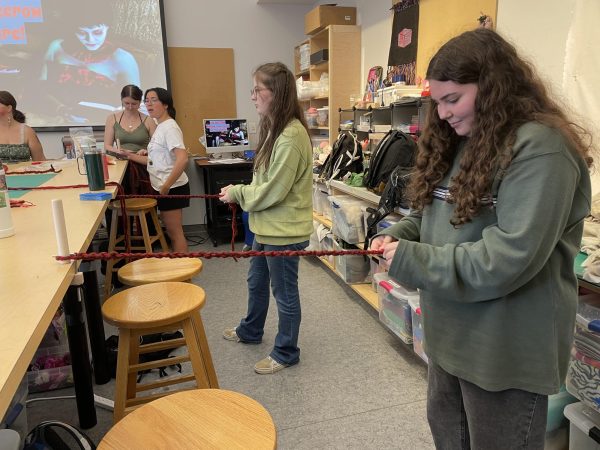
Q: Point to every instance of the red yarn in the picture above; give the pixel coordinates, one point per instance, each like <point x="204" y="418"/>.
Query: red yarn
<point x="208" y="255"/>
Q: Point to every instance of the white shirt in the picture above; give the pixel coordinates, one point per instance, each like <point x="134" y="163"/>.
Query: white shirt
<point x="161" y="157"/>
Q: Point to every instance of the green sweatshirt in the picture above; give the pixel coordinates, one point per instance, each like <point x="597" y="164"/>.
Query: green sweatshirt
<point x="499" y="294"/>
<point x="279" y="200"/>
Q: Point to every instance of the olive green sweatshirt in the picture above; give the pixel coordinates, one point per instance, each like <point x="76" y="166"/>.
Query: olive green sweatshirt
<point x="499" y="294"/>
<point x="279" y="199"/>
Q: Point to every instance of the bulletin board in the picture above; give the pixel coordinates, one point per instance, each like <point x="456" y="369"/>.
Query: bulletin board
<point x="203" y="87"/>
<point x="440" y="20"/>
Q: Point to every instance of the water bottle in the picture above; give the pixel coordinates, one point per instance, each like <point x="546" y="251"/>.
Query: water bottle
<point x="6" y="224"/>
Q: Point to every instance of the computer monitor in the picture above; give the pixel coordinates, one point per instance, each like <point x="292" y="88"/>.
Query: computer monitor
<point x="226" y="135"/>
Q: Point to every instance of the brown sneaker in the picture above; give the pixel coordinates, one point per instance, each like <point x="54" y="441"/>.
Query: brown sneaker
<point x="231" y="335"/>
<point x="268" y="365"/>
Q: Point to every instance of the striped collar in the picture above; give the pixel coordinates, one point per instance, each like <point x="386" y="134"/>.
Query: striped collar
<point x="443" y="194"/>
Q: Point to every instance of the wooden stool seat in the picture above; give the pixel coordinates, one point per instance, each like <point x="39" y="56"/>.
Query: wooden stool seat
<point x="201" y="418"/>
<point x="153" y="270"/>
<point x="156" y="308"/>
<point x="135" y="204"/>
<point x="136" y="208"/>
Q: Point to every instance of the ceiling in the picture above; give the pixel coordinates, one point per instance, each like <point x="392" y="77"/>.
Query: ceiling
<point x="287" y="2"/>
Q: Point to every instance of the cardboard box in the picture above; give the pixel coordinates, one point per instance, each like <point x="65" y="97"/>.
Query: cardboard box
<point x="324" y="15"/>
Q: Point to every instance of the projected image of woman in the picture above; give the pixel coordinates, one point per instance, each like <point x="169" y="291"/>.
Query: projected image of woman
<point x="86" y="66"/>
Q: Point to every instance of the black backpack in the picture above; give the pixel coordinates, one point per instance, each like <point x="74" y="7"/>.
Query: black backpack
<point x="346" y="156"/>
<point x="55" y="435"/>
<point x="393" y="196"/>
<point x="395" y="149"/>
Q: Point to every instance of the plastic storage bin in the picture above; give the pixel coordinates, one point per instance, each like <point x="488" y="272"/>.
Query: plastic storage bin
<point x="583" y="376"/>
<point x="583" y="423"/>
<point x="313" y="242"/>
<point x="375" y="269"/>
<point x="50" y="369"/>
<point x="323" y="116"/>
<point x="417" y="328"/>
<point x="352" y="268"/>
<point x="394" y="307"/>
<point x="347" y="218"/>
<point x="321" y="204"/>
<point x="327" y="243"/>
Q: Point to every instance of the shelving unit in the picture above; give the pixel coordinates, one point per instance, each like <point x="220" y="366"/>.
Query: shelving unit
<point x="343" y="67"/>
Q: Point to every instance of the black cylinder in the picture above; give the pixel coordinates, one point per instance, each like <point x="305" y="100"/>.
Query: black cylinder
<point x="80" y="359"/>
<point x="93" y="312"/>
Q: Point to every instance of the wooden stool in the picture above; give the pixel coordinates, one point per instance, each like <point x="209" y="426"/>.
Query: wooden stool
<point x="136" y="208"/>
<point x="154" y="308"/>
<point x="201" y="418"/>
<point x="154" y="270"/>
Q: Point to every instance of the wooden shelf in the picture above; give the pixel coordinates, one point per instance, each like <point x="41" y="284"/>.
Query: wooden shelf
<point x="363" y="289"/>
<point x="318" y="128"/>
<point x="322" y="219"/>
<point x="363" y="194"/>
<point x="359" y="192"/>
<point x="321" y="66"/>
<point x="302" y="73"/>
<point x="366" y="292"/>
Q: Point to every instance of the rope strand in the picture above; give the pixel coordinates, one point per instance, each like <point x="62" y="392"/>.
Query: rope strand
<point x="104" y="256"/>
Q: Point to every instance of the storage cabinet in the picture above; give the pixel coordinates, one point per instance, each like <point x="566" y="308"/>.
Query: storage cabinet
<point x="218" y="214"/>
<point x="341" y="44"/>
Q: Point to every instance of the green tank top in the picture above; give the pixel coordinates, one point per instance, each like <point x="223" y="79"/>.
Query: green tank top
<point x="16" y="152"/>
<point x="132" y="140"/>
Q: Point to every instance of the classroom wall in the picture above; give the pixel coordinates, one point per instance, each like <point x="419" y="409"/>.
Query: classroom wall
<point x="566" y="57"/>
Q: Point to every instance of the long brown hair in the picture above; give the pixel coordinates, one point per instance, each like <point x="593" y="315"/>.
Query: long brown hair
<point x="510" y="94"/>
<point x="284" y="108"/>
<point x="7" y="99"/>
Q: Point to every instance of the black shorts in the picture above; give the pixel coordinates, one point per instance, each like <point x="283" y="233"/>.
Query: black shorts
<point x="168" y="204"/>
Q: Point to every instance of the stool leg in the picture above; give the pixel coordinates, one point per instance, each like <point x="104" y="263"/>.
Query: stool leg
<point x="204" y="350"/>
<point x="111" y="248"/>
<point x="145" y="232"/>
<point x="198" y="365"/>
<point x="134" y="358"/>
<point x="159" y="232"/>
<point x="121" y="374"/>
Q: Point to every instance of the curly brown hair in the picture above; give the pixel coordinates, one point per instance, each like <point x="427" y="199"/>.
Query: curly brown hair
<point x="284" y="108"/>
<point x="510" y="94"/>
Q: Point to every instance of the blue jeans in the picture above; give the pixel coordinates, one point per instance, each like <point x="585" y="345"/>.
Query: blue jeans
<point x="281" y="273"/>
<point x="462" y="415"/>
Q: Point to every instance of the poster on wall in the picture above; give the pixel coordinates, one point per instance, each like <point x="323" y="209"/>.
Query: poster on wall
<point x="402" y="60"/>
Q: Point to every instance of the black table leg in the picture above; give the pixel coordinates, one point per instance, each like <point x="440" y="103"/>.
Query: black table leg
<point x="80" y="358"/>
<point x="95" y="324"/>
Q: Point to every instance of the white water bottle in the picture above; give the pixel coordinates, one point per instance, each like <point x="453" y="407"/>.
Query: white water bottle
<point x="6" y="225"/>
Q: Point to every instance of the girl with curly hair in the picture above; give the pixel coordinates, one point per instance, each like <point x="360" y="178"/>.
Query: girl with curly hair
<point x="498" y="197"/>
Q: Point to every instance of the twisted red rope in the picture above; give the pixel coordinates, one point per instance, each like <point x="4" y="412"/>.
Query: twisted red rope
<point x="121" y="197"/>
<point x="26" y="172"/>
<point x="104" y="256"/>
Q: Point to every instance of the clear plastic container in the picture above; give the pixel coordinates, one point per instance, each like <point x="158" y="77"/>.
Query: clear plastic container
<point x="50" y="369"/>
<point x="582" y="422"/>
<point x="323" y="116"/>
<point x="352" y="268"/>
<point x="417" y="328"/>
<point x="394" y="307"/>
<point x="583" y="380"/>
<point x="348" y="218"/>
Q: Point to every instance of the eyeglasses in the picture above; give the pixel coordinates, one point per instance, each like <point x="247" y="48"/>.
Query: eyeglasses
<point x="255" y="90"/>
<point x="151" y="100"/>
